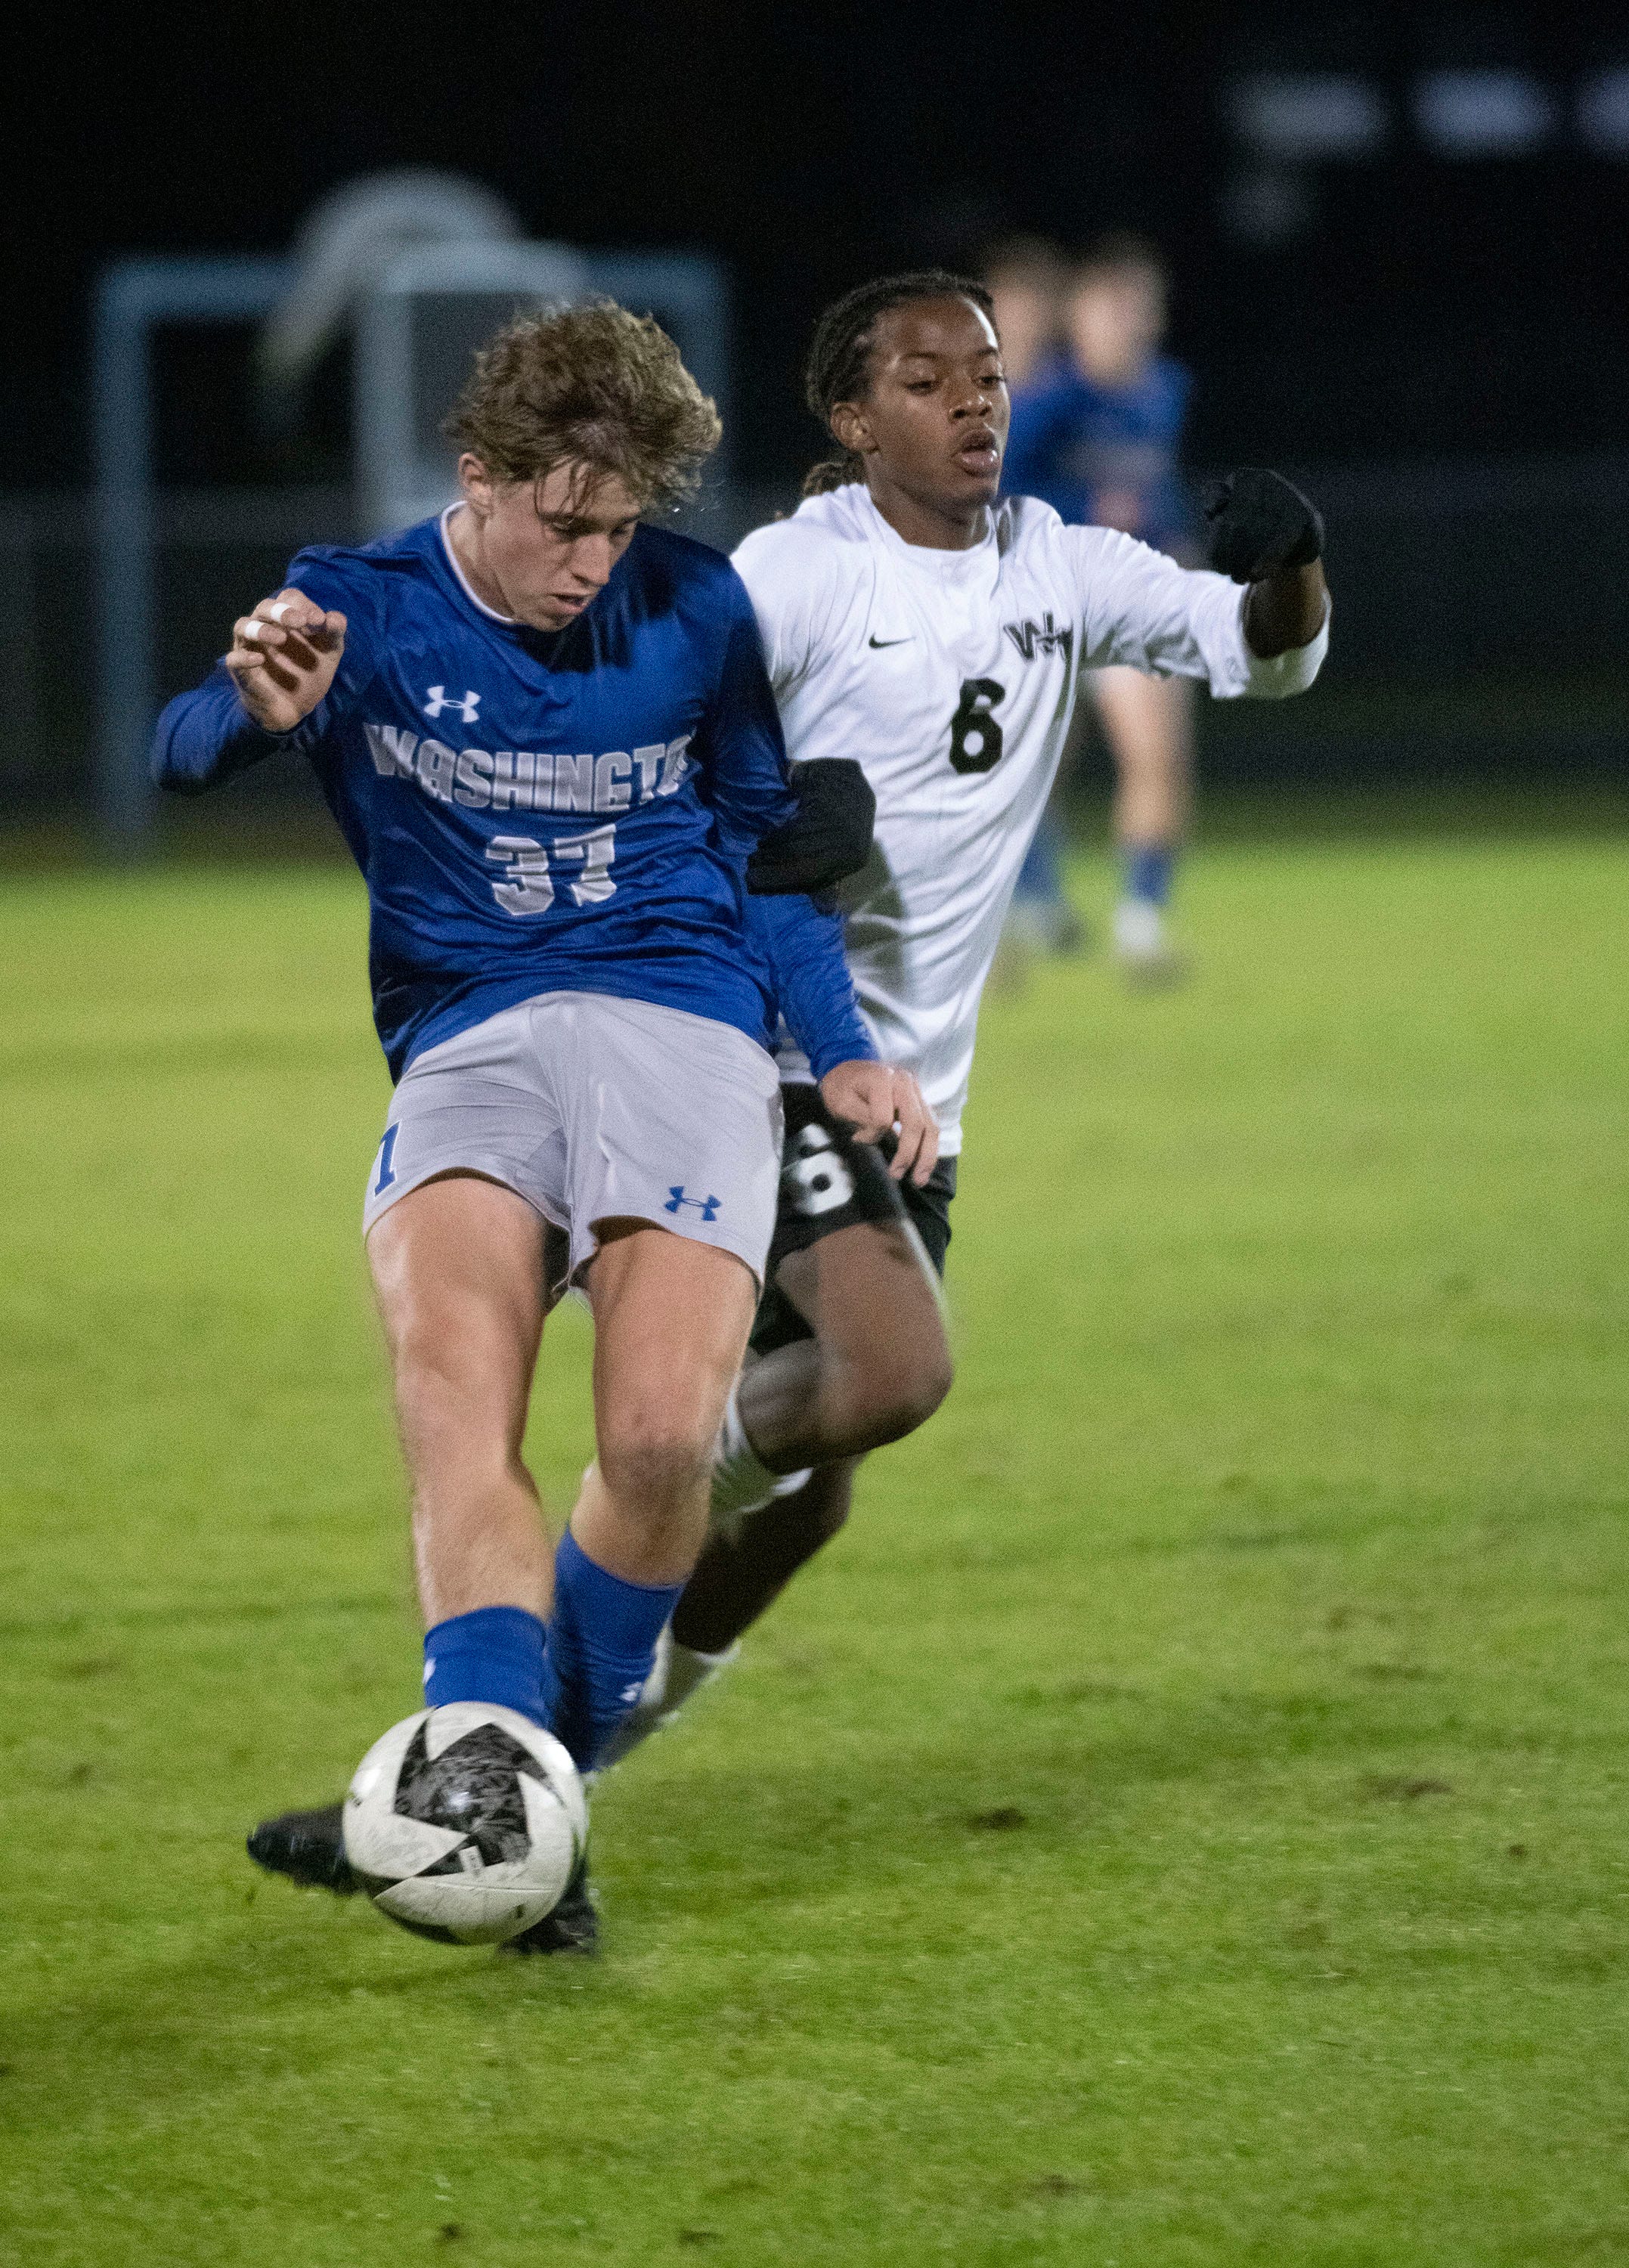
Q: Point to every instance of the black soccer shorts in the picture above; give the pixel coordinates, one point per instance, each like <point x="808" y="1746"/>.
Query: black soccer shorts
<point x="828" y="1180"/>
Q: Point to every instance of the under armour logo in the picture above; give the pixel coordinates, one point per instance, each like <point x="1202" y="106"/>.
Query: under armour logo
<point x="441" y="699"/>
<point x="708" y="1207"/>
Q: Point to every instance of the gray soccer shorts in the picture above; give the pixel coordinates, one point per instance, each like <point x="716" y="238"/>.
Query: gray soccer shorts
<point x="594" y="1109"/>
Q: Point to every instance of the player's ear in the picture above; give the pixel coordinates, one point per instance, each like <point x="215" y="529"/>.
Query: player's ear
<point x="851" y="429"/>
<point x="476" y="482"/>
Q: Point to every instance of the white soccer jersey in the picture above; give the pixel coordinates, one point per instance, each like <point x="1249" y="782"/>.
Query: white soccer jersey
<point x="951" y="676"/>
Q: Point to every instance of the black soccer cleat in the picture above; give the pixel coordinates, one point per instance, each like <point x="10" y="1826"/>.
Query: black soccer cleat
<point x="307" y="1846"/>
<point x="572" y="1927"/>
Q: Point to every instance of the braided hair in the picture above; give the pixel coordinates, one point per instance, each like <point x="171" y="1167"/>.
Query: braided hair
<point x="836" y="368"/>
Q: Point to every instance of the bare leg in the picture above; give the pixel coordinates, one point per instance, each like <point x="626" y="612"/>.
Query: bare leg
<point x="878" y="1368"/>
<point x="878" y="1364"/>
<point x="738" y="1576"/>
<point x="458" y="1271"/>
<point x="1148" y="724"/>
<point x="671" y="1319"/>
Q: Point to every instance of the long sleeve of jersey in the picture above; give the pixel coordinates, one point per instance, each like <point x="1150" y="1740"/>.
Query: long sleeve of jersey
<point x="1138" y="607"/>
<point x="740" y="748"/>
<point x="803" y="946"/>
<point x="208" y="736"/>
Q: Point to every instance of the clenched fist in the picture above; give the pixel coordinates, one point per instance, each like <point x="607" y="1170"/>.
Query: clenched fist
<point x="283" y="658"/>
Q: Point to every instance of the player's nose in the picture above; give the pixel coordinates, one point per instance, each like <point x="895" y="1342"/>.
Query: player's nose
<point x="592" y="562"/>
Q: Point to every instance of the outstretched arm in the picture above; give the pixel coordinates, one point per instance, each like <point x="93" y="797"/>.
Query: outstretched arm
<point x="1285" y="610"/>
<point x="1268" y="639"/>
<point x="1265" y="534"/>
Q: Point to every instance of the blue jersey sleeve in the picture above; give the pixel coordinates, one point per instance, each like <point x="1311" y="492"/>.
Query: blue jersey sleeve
<point x="345" y="589"/>
<point x="740" y="747"/>
<point x="803" y="947"/>
<point x="208" y="736"/>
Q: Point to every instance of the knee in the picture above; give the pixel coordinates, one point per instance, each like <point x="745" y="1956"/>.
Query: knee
<point x="446" y="1406"/>
<point x="653" y="1461"/>
<point x="899" y="1391"/>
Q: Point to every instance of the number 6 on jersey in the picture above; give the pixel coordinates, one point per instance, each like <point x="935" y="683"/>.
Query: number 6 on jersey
<point x="974" y="736"/>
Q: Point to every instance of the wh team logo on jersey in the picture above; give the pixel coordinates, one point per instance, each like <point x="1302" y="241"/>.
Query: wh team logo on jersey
<point x="1044" y="637"/>
<point x="520" y="780"/>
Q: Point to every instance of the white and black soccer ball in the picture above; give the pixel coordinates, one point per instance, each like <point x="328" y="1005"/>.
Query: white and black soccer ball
<point x="466" y="1823"/>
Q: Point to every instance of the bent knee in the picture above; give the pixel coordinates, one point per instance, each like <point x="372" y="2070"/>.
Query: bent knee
<point x="651" y="1460"/>
<point x="897" y="1397"/>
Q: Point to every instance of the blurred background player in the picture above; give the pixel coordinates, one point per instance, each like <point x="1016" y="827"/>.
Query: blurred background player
<point x="1097" y="418"/>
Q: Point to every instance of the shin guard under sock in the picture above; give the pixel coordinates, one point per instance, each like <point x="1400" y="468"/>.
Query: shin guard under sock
<point x="494" y="1654"/>
<point x="602" y="1643"/>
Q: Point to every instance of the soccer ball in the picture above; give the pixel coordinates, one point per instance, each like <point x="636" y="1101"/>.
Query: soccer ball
<point x="465" y="1823"/>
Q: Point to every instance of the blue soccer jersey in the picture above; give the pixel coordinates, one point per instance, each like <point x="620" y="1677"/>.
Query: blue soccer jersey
<point x="1104" y="455"/>
<point x="536" y="812"/>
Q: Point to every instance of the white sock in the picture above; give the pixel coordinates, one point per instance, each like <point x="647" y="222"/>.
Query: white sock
<point x="1138" y="928"/>
<point x="740" y="1479"/>
<point x="678" y="1672"/>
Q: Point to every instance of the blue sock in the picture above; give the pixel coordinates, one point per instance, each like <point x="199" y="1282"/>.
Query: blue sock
<point x="494" y="1654"/>
<point x="1041" y="877"/>
<point x="1148" y="870"/>
<point x="602" y="1643"/>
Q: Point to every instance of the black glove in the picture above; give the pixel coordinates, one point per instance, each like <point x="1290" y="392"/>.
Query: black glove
<point x="1260" y="523"/>
<point x="829" y="838"/>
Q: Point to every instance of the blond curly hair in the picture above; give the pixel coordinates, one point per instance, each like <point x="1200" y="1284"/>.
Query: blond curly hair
<point x="589" y="385"/>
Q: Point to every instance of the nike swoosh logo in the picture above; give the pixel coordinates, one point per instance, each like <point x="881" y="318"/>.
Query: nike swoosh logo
<point x="881" y="642"/>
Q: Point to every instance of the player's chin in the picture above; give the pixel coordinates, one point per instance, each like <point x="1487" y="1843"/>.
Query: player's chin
<point x="976" y="478"/>
<point x="555" y="613"/>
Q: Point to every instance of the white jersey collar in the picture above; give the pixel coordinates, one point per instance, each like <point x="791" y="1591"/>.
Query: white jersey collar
<point x="465" y="585"/>
<point x="946" y="566"/>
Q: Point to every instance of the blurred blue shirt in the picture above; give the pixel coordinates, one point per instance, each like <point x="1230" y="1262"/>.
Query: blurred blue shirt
<point x="1105" y="456"/>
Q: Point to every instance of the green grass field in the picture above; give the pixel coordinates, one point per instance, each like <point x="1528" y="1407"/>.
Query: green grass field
<point x="1182" y="1822"/>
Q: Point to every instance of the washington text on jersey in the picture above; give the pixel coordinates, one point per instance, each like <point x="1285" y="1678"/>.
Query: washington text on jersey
<point x="536" y="812"/>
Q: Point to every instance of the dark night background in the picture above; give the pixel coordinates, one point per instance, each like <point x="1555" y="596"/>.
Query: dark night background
<point x="1423" y="312"/>
<point x="1460" y="307"/>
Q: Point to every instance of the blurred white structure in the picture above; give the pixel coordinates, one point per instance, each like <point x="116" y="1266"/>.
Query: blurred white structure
<point x="347" y="244"/>
<point x="419" y="268"/>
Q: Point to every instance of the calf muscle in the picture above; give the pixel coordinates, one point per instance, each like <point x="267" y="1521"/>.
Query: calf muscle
<point x="879" y="1364"/>
<point x="738" y="1576"/>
